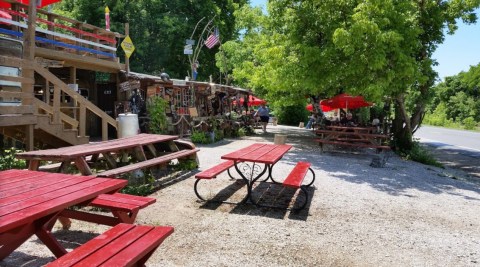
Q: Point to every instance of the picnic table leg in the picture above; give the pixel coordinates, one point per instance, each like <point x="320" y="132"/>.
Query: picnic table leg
<point x="45" y="235"/>
<point x="247" y="182"/>
<point x="82" y="166"/>
<point x="12" y="239"/>
<point x="33" y="164"/>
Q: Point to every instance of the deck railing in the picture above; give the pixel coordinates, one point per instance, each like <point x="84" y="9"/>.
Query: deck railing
<point x="60" y="33"/>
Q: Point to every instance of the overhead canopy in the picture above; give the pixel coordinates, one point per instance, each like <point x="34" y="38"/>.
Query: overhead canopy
<point x="346" y="101"/>
<point x="41" y="3"/>
<point x="252" y="101"/>
<point x="324" y="108"/>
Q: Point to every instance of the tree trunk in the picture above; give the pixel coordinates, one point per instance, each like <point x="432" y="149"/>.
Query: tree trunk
<point x="402" y="130"/>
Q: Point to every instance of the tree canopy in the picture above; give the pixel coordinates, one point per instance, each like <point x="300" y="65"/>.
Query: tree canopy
<point x="381" y="49"/>
<point x="159" y="28"/>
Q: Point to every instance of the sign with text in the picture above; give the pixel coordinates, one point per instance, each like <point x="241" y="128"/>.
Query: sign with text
<point x="128" y="46"/>
<point x="129" y="85"/>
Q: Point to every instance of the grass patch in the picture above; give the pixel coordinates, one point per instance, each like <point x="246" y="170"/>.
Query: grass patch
<point x="422" y="155"/>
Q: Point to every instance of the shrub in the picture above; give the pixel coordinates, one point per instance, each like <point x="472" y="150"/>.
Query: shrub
<point x="420" y="154"/>
<point x="292" y="115"/>
<point x="469" y="123"/>
<point x="156" y="107"/>
<point x="199" y="137"/>
<point x="8" y="160"/>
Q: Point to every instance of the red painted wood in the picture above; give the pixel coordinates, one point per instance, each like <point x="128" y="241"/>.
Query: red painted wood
<point x="239" y="153"/>
<point x="65" y="153"/>
<point x="148" y="163"/>
<point x="296" y="176"/>
<point x="144" y="246"/>
<point x="274" y="155"/>
<point x="19" y="213"/>
<point x="116" y="245"/>
<point x="95" y="244"/>
<point x="24" y="213"/>
<point x="123" y="245"/>
<point x="215" y="170"/>
<point x="29" y="191"/>
<point x="139" y="201"/>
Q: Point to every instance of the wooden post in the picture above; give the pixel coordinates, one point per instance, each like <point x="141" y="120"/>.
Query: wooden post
<point x="28" y="73"/>
<point x="127" y="60"/>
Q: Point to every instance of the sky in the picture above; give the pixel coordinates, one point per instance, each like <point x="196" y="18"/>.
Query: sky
<point x="457" y="53"/>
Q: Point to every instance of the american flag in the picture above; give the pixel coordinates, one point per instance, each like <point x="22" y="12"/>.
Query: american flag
<point x="213" y="39"/>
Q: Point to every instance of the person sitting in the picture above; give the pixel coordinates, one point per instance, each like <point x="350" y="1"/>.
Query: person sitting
<point x="311" y="121"/>
<point x="348" y="121"/>
<point x="376" y="124"/>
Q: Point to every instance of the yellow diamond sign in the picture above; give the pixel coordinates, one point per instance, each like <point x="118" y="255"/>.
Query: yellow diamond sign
<point x="128" y="46"/>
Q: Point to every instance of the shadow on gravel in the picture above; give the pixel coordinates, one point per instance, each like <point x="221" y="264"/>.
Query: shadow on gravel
<point x="16" y="259"/>
<point x="354" y="166"/>
<point x="69" y="239"/>
<point x="273" y="201"/>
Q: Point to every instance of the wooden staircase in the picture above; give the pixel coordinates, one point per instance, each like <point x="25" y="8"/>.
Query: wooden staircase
<point x="51" y="126"/>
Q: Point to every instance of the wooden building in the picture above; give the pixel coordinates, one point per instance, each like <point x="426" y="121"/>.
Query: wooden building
<point x="62" y="83"/>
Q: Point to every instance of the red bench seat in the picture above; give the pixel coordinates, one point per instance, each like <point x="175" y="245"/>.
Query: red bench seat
<point x="122" y="245"/>
<point x="215" y="170"/>
<point x="296" y="176"/>
<point x="149" y="163"/>
<point x="124" y="208"/>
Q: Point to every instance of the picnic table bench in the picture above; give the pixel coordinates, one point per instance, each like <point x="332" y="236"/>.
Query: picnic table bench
<point x="122" y="245"/>
<point x="160" y="150"/>
<point x="358" y="137"/>
<point x="123" y="207"/>
<point x="267" y="154"/>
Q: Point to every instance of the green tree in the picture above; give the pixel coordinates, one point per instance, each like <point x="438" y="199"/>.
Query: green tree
<point x="158" y="29"/>
<point x="381" y="49"/>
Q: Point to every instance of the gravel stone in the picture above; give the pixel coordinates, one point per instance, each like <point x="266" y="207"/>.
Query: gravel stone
<point x="403" y="214"/>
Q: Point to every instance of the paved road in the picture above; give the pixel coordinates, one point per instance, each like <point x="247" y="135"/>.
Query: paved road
<point x="454" y="148"/>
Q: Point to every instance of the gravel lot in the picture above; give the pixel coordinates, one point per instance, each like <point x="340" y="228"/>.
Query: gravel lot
<point x="405" y="214"/>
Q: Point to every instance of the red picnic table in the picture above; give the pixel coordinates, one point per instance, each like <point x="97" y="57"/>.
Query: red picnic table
<point x="31" y="201"/>
<point x="258" y="153"/>
<point x="112" y="150"/>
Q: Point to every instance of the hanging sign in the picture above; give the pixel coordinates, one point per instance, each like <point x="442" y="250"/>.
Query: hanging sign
<point x="187" y="50"/>
<point x="128" y="46"/>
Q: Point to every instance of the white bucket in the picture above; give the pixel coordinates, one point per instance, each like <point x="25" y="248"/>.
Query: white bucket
<point x="128" y="125"/>
<point x="279" y="139"/>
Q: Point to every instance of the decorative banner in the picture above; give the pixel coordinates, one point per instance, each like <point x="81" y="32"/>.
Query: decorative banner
<point x="128" y="46"/>
<point x="107" y="19"/>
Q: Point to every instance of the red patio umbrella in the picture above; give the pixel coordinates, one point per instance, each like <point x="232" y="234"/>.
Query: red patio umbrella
<point x="309" y="107"/>
<point x="252" y="101"/>
<point x="41" y="3"/>
<point x="346" y="101"/>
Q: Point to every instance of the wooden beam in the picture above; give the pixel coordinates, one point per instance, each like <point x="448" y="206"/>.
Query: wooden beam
<point x="16" y="109"/>
<point x="81" y="62"/>
<point x="16" y="79"/>
<point x="17" y="119"/>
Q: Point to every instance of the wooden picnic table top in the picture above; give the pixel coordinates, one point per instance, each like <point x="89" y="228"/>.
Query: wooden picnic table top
<point x="71" y="152"/>
<point x="351" y="128"/>
<point x="30" y="200"/>
<point x="260" y="153"/>
<point x="333" y="133"/>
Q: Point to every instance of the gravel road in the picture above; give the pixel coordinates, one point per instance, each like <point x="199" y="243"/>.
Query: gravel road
<point x="404" y="214"/>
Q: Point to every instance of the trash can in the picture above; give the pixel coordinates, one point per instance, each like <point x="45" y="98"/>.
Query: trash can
<point x="301" y="125"/>
<point x="279" y="139"/>
<point x="127" y="125"/>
